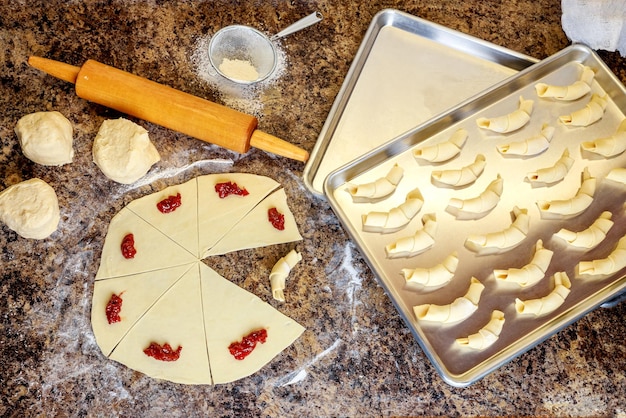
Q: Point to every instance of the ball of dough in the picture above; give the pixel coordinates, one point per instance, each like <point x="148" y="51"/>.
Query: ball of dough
<point x="123" y="151"/>
<point x="46" y="138"/>
<point x="30" y="208"/>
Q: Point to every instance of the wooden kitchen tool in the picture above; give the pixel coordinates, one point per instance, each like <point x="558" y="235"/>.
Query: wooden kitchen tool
<point x="168" y="107"/>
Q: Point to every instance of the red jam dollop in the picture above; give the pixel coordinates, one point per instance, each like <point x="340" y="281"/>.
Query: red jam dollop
<point x="276" y="218"/>
<point x="128" y="246"/>
<point x="227" y="188"/>
<point x="169" y="204"/>
<point x="113" y="308"/>
<point x="241" y="350"/>
<point x="163" y="352"/>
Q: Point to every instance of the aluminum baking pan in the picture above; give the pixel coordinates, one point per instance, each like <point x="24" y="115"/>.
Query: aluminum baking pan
<point x="461" y="367"/>
<point x="405" y="72"/>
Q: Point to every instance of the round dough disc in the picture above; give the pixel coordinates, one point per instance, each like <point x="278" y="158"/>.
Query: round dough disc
<point x="46" y="138"/>
<point x="123" y="151"/>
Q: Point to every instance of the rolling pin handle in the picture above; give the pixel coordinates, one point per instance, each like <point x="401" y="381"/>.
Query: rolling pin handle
<point x="275" y="145"/>
<point x="56" y="69"/>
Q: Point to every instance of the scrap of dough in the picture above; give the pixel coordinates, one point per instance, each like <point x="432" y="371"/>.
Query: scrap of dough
<point x="30" y="208"/>
<point x="609" y="265"/>
<point x="573" y="91"/>
<point x="382" y="187"/>
<point x="531" y="146"/>
<point x="556" y="173"/>
<point x="415" y="244"/>
<point x="608" y="147"/>
<point x="46" y="138"/>
<point x="590" y="237"/>
<point x="532" y="272"/>
<point x="574" y="205"/>
<point x="504" y="240"/>
<point x="592" y="112"/>
<point x="397" y="218"/>
<point x="460" y="309"/>
<point x="280" y="271"/>
<point x="462" y="176"/>
<point x="618" y="175"/>
<point x="487" y="335"/>
<point x="482" y="203"/>
<point x="435" y="276"/>
<point x="548" y="303"/>
<point x="510" y="122"/>
<point x="123" y="151"/>
<point x="444" y="150"/>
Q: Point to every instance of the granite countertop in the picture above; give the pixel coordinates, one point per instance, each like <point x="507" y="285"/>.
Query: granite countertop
<point x="357" y="357"/>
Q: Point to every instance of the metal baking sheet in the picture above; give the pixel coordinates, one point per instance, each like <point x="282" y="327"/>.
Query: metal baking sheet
<point x="405" y="72"/>
<point x="461" y="367"/>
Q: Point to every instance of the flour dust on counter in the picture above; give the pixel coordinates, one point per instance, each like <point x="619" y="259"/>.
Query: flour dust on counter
<point x="243" y="97"/>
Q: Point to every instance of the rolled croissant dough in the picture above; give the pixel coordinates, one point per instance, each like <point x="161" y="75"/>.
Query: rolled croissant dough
<point x="46" y="138"/>
<point x="170" y="296"/>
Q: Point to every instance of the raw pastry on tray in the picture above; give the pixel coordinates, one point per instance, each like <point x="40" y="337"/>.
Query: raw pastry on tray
<point x="443" y="151"/>
<point x="532" y="272"/>
<point x="573" y="91"/>
<point x="509" y="122"/>
<point x="461" y="308"/>
<point x="548" y="303"/>
<point x="487" y="335"/>
<point x="503" y="240"/>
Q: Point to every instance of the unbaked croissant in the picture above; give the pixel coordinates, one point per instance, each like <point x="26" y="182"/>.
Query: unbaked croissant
<point x="460" y="309"/>
<point x="548" y="303"/>
<point x="532" y="272"/>
<point x="532" y="146"/>
<point x="280" y="271"/>
<point x="556" y="173"/>
<point x="573" y="91"/>
<point x="617" y="175"/>
<point x="382" y="187"/>
<point x="480" y="204"/>
<point x="487" y="335"/>
<point x="417" y="243"/>
<point x="510" y="122"/>
<point x="503" y="240"/>
<point x="435" y="276"/>
<point x="397" y="218"/>
<point x="574" y="205"/>
<point x="608" y="147"/>
<point x="590" y="237"/>
<point x="462" y="176"/>
<point x="443" y="151"/>
<point x="609" y="265"/>
<point x="592" y="112"/>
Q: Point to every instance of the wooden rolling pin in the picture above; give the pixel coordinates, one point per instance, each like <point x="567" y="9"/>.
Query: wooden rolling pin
<point x="168" y="107"/>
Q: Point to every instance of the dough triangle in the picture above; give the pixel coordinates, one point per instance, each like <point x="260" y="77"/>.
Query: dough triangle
<point x="230" y="313"/>
<point x="255" y="230"/>
<point x="218" y="215"/>
<point x="154" y="250"/>
<point x="181" y="225"/>
<point x="176" y="318"/>
<point x="138" y="294"/>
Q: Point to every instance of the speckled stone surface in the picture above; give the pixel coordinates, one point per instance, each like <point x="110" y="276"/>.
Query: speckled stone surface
<point x="357" y="358"/>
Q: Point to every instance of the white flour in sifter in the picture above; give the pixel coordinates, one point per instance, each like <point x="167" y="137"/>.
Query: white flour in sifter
<point x="245" y="98"/>
<point x="239" y="69"/>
